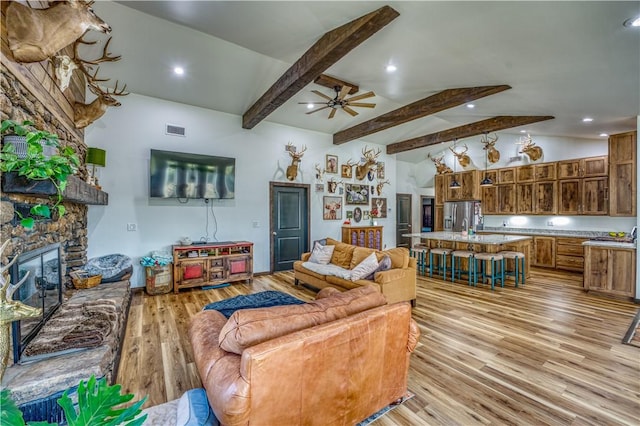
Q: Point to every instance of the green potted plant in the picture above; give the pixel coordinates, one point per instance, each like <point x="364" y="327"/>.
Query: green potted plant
<point x="34" y="164"/>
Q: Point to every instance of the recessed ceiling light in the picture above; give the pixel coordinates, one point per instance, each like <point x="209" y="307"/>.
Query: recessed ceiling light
<point x="471" y="106"/>
<point x="632" y="22"/>
<point x="604" y="135"/>
<point x="523" y="131"/>
<point x="309" y="105"/>
<point x="587" y="120"/>
<point x="391" y="68"/>
<point x="178" y="70"/>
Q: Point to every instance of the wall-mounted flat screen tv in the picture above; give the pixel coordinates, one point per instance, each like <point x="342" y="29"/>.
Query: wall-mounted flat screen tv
<point x="185" y="175"/>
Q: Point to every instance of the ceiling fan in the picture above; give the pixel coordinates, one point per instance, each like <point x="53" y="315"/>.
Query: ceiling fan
<point x="340" y="102"/>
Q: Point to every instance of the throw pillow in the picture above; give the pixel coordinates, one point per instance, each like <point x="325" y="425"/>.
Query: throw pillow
<point x="194" y="410"/>
<point x="321" y="254"/>
<point x="384" y="265"/>
<point x="365" y="268"/>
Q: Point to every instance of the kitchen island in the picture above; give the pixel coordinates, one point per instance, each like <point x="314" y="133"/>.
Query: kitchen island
<point x="479" y="243"/>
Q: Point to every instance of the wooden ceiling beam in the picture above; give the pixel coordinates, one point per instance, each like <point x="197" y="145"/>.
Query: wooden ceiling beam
<point x="435" y="103"/>
<point x="331" y="47"/>
<point x="489" y="125"/>
<point x="332" y="82"/>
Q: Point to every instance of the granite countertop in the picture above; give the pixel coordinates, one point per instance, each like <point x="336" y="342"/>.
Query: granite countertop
<point x="610" y="244"/>
<point x="480" y="239"/>
<point x="546" y="232"/>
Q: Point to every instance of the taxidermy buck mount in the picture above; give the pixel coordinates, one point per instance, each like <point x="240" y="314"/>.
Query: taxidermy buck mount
<point x="380" y="185"/>
<point x="10" y="310"/>
<point x="292" y="169"/>
<point x="463" y="159"/>
<point x="529" y="147"/>
<point x="368" y="163"/>
<point x="493" y="155"/>
<point x="37" y="34"/>
<point x="85" y="114"/>
<point x="441" y="167"/>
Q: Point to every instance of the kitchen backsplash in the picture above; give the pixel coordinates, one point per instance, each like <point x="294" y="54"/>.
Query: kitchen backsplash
<point x="598" y="225"/>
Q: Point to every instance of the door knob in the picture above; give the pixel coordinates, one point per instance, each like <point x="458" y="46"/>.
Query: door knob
<point x="274" y="233"/>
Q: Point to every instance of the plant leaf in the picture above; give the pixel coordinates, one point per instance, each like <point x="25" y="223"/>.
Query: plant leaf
<point x="10" y="414"/>
<point x="41" y="210"/>
<point x="96" y="406"/>
<point x="61" y="210"/>
<point x="27" y="222"/>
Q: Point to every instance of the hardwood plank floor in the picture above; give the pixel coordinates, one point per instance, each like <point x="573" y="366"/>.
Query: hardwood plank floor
<point x="544" y="354"/>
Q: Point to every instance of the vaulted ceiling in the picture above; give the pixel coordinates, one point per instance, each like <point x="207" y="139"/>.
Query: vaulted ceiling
<point x="565" y="60"/>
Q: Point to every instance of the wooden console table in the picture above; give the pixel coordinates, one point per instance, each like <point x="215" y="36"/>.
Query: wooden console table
<point x="198" y="265"/>
<point x="363" y="236"/>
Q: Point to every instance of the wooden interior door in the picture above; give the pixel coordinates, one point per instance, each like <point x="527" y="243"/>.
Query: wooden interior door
<point x="403" y="220"/>
<point x="289" y="223"/>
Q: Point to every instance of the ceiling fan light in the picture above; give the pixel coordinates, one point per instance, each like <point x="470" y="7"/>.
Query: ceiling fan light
<point x="309" y="105"/>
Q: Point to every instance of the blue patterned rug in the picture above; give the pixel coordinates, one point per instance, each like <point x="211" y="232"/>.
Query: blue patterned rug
<point x="262" y="299"/>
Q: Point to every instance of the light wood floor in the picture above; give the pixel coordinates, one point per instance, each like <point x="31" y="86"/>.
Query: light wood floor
<point x="547" y="353"/>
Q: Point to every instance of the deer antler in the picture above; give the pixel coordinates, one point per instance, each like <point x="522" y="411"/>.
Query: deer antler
<point x="350" y="163"/>
<point x="488" y="141"/>
<point x="85" y="66"/>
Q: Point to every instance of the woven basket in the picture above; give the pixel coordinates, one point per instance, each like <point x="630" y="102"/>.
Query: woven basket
<point x="82" y="283"/>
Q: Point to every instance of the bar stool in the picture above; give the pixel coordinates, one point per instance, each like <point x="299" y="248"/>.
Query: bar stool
<point x="420" y="253"/>
<point x="470" y="271"/>
<point x="519" y="262"/>
<point x="441" y="268"/>
<point x="495" y="259"/>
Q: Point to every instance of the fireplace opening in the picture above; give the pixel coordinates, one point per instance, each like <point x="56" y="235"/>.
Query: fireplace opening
<point x="42" y="289"/>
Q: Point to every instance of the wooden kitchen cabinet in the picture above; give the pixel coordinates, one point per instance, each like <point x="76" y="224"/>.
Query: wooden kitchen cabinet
<point x="545" y="171"/>
<point x="569" y="196"/>
<point x="570" y="254"/>
<point x="583" y="167"/>
<point x="545" y="197"/>
<point x="440" y="182"/>
<point x="507" y="175"/>
<point x="610" y="270"/>
<point x="595" y="196"/>
<point x="544" y="252"/>
<point x="525" y="174"/>
<point x="468" y="186"/>
<point x="507" y="199"/>
<point x="490" y="200"/>
<point x="438" y="223"/>
<point x="524" y="198"/>
<point x="622" y="174"/>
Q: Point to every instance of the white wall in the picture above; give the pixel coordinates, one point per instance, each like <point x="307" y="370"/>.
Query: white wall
<point x="128" y="132"/>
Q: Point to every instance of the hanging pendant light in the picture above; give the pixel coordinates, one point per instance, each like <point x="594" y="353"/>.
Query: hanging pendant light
<point x="486" y="181"/>
<point x="454" y="183"/>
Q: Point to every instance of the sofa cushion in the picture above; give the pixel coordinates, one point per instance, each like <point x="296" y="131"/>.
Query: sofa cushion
<point x="321" y="254"/>
<point x="341" y="254"/>
<point x="250" y="327"/>
<point x="364" y="268"/>
<point x="399" y="257"/>
<point x="361" y="253"/>
<point x="383" y="265"/>
<point x="323" y="270"/>
<point x="194" y="410"/>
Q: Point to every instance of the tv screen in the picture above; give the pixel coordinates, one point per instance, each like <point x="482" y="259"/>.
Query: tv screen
<point x="184" y="175"/>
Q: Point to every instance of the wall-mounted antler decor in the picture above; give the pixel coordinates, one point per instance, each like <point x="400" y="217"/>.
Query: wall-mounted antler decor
<point x="296" y="157"/>
<point x="529" y="147"/>
<point x="441" y="167"/>
<point x="368" y="162"/>
<point x="37" y="34"/>
<point x="463" y="159"/>
<point x="493" y="155"/>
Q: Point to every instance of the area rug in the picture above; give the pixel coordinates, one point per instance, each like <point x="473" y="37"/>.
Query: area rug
<point x="632" y="337"/>
<point x="372" y="418"/>
<point x="262" y="299"/>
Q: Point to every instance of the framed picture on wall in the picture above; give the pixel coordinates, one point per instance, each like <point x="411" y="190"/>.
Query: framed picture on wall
<point x="332" y="208"/>
<point x="356" y="194"/>
<point x="332" y="164"/>
<point x="319" y="187"/>
<point x="379" y="207"/>
<point x="380" y="169"/>
<point x="346" y="171"/>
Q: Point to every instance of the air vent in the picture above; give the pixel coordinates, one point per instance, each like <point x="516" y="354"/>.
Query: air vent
<point x="174" y="130"/>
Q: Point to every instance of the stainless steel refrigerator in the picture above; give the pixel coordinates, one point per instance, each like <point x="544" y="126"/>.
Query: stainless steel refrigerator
<point x="462" y="215"/>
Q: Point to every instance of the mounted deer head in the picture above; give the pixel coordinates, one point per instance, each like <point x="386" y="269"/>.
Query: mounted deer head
<point x="441" y="167"/>
<point x="380" y="185"/>
<point x="64" y="67"/>
<point x="85" y="114"/>
<point x="319" y="172"/>
<point x="10" y="310"/>
<point x="370" y="160"/>
<point x="463" y="158"/>
<point x="493" y="155"/>
<point x="292" y="170"/>
<point x="332" y="185"/>
<point x="529" y="147"/>
<point x="37" y="34"/>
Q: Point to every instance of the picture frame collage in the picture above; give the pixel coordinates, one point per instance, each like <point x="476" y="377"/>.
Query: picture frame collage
<point x="362" y="201"/>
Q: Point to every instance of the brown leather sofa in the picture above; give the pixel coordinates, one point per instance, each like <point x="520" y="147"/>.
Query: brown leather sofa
<point x="333" y="361"/>
<point x="397" y="284"/>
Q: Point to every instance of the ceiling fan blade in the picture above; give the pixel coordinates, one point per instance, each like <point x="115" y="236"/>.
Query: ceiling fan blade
<point x="362" y="96"/>
<point x="332" y="113"/>
<point x="316" y="110"/>
<point x="343" y="92"/>
<point x="350" y="111"/>
<point x="361" y="104"/>
<point x="322" y="95"/>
